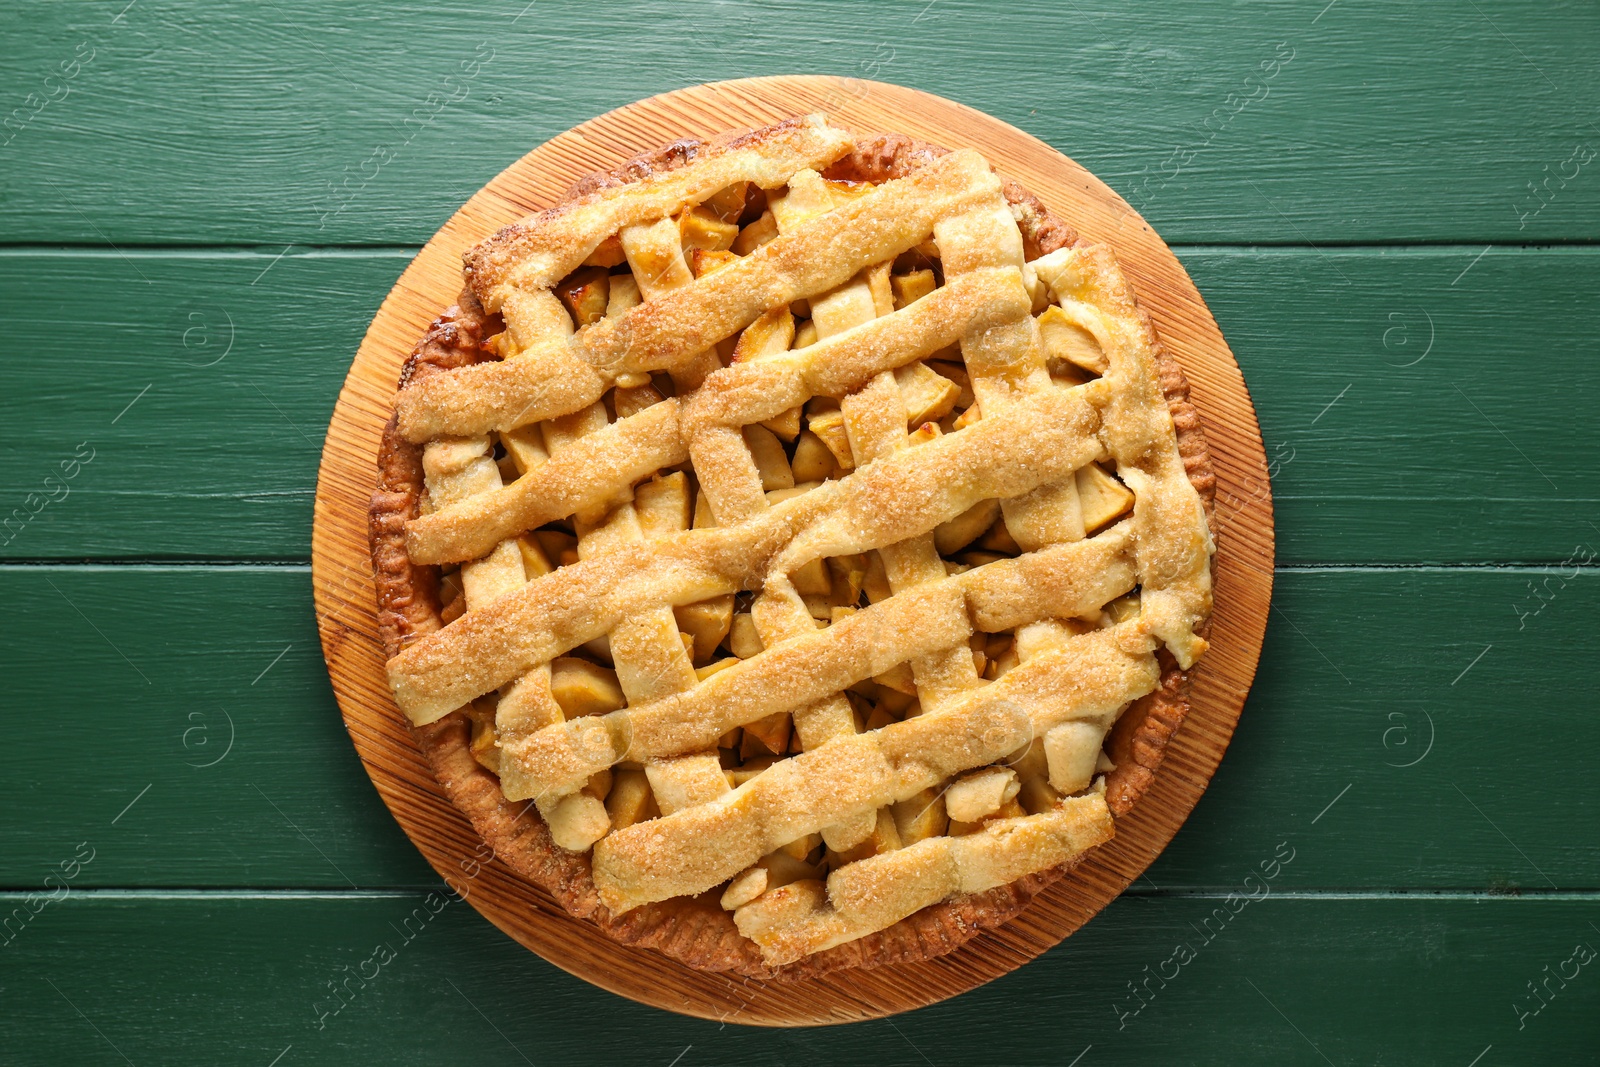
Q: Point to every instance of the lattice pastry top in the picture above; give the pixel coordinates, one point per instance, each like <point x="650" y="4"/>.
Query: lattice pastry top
<point x="798" y="540"/>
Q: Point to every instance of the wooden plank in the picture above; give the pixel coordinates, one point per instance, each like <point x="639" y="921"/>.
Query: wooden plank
<point x="213" y="375"/>
<point x="212" y="979"/>
<point x="1286" y="123"/>
<point x="204" y="635"/>
<point x="1419" y="405"/>
<point x="180" y="720"/>
<point x="1427" y="727"/>
<point x="1400" y="467"/>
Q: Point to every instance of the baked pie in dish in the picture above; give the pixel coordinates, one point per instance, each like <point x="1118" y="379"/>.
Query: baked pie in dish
<point x="791" y="549"/>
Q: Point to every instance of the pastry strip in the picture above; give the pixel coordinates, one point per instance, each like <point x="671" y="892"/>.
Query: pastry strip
<point x="650" y="861"/>
<point x="663" y="334"/>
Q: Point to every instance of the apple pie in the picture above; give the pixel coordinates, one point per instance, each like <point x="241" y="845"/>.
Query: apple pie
<point x="791" y="549"/>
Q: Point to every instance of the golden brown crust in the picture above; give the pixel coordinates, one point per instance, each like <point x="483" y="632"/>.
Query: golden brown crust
<point x="663" y="157"/>
<point x="802" y="138"/>
<point x="886" y="156"/>
<point x="697" y="931"/>
<point x="408" y="595"/>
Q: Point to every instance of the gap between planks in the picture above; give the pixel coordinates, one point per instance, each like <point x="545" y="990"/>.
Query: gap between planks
<point x="299" y="565"/>
<point x="244" y="250"/>
<point x="1204" y="893"/>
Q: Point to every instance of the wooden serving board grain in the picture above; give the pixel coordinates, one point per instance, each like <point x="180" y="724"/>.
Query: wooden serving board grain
<point x="344" y="593"/>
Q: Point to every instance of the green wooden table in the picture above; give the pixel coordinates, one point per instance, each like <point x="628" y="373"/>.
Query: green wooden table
<point x="1393" y="211"/>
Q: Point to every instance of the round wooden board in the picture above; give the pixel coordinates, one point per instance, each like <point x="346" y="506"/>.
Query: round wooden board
<point x="341" y="571"/>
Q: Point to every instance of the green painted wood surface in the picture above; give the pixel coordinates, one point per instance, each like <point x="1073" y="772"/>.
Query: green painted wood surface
<point x="1280" y="980"/>
<point x="198" y="696"/>
<point x="175" y="346"/>
<point x="1393" y="220"/>
<point x="175" y="664"/>
<point x="1343" y="351"/>
<point x="366" y="124"/>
